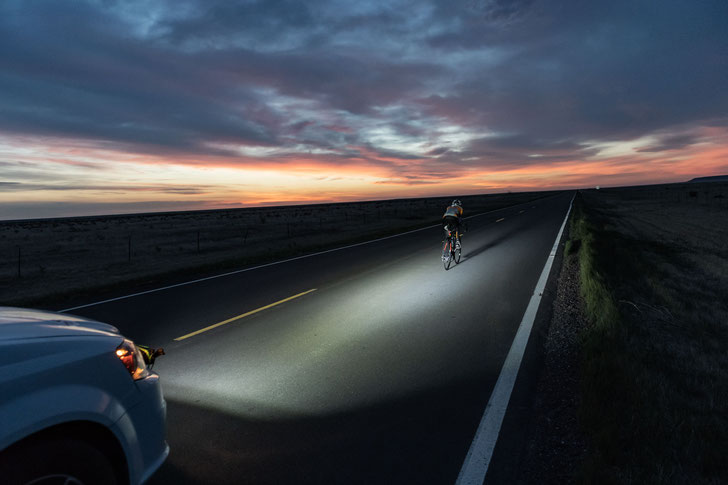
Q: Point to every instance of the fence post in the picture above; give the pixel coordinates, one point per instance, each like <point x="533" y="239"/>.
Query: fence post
<point x="18" y="261"/>
<point x="245" y="238"/>
<point x="198" y="241"/>
<point x="129" y="248"/>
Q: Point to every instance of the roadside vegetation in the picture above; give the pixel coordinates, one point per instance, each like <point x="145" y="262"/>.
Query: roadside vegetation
<point x="654" y="282"/>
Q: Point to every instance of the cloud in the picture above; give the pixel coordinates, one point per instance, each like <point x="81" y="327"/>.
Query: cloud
<point x="71" y="187"/>
<point x="509" y="152"/>
<point x="223" y="24"/>
<point x="672" y="142"/>
<point x="407" y="181"/>
<point x="578" y="70"/>
<point x="65" y="76"/>
<point x="409" y="89"/>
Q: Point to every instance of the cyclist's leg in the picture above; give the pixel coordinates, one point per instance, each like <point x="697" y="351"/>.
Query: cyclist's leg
<point x="448" y="223"/>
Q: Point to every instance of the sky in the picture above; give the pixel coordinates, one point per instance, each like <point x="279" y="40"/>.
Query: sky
<point x="154" y="105"/>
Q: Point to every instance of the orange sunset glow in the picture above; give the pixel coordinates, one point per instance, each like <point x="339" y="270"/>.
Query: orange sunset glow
<point x="165" y="112"/>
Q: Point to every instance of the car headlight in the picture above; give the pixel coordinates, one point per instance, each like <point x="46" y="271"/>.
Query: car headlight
<point x="131" y="357"/>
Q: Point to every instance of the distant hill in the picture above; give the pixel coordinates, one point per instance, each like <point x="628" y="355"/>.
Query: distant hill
<point x="715" y="178"/>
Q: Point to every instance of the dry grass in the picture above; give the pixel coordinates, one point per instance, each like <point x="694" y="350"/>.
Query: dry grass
<point x="53" y="258"/>
<point x="655" y="280"/>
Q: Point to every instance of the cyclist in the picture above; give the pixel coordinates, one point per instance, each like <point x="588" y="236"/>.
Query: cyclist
<point x="150" y="354"/>
<point x="452" y="220"/>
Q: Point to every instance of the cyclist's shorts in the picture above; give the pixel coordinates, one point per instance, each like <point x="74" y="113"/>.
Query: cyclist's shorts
<point x="451" y="222"/>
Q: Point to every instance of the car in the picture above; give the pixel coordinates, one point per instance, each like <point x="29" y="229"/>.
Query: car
<point x="78" y="403"/>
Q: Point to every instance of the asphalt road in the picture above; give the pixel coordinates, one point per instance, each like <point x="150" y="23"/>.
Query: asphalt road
<point x="378" y="375"/>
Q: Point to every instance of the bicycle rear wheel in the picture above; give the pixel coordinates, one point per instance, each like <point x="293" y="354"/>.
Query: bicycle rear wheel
<point x="446" y="254"/>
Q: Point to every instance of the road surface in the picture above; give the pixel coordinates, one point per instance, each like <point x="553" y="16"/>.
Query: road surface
<point x="370" y="364"/>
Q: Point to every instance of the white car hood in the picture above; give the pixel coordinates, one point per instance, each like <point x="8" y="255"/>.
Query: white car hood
<point x="17" y="323"/>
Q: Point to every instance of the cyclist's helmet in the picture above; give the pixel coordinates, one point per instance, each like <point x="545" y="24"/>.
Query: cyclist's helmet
<point x="456" y="202"/>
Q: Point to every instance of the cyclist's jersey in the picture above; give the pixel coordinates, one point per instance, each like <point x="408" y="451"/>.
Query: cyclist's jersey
<point x="453" y="211"/>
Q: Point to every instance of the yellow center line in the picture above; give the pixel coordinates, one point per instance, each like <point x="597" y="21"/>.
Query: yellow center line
<point x="243" y="315"/>
<point x="501" y="219"/>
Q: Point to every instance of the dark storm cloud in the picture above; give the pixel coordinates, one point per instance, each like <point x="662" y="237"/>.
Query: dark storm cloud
<point x="435" y="152"/>
<point x="75" y="70"/>
<point x="392" y="154"/>
<point x="353" y="83"/>
<point x="506" y="152"/>
<point x="609" y="70"/>
<point x="204" y="77"/>
<point x="217" y="21"/>
<point x="674" y="142"/>
<point x="74" y="73"/>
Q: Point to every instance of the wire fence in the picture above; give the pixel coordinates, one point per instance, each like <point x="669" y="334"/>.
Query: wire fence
<point x="711" y="194"/>
<point x="41" y="256"/>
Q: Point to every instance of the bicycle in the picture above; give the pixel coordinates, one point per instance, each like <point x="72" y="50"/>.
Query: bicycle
<point x="451" y="249"/>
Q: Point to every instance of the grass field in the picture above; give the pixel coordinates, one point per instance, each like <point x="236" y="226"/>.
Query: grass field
<point x="58" y="259"/>
<point x="654" y="277"/>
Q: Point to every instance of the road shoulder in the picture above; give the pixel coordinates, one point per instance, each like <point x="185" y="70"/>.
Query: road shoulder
<point x="540" y="441"/>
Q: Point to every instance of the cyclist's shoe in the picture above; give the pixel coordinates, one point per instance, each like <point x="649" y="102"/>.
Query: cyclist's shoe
<point x="457" y="244"/>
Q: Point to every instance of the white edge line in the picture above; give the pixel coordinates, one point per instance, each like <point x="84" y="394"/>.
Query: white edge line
<point x="275" y="262"/>
<point x="481" y="449"/>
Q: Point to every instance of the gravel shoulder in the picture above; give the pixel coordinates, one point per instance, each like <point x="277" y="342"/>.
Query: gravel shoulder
<point x="555" y="444"/>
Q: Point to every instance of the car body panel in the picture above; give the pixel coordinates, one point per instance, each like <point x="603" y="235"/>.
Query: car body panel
<point x="23" y="323"/>
<point x="57" y="369"/>
<point x="143" y="429"/>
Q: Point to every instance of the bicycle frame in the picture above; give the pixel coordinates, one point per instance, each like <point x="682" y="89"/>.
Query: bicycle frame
<point x="450" y="250"/>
